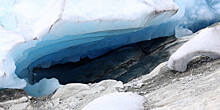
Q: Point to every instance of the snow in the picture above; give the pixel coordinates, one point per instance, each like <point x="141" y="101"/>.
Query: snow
<point x="8" y="41"/>
<point x="117" y="101"/>
<point x="205" y="42"/>
<point x="36" y="18"/>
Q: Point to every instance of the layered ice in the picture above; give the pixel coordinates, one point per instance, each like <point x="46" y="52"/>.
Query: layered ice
<point x="205" y="42"/>
<point x="42" y="33"/>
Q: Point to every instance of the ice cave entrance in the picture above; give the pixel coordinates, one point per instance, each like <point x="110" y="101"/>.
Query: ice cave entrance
<point x="70" y="72"/>
<point x="116" y="64"/>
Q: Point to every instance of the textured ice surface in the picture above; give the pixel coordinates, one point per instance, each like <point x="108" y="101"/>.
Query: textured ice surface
<point x="195" y="15"/>
<point x="42" y="33"/>
<point x="205" y="42"/>
<point x="36" y="18"/>
<point x="117" y="101"/>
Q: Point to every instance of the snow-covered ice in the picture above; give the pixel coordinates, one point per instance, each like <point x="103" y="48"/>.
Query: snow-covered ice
<point x="117" y="101"/>
<point x="37" y="18"/>
<point x="205" y="42"/>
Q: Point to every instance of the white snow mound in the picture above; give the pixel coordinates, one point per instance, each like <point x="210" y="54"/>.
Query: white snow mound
<point x="117" y="101"/>
<point x="205" y="42"/>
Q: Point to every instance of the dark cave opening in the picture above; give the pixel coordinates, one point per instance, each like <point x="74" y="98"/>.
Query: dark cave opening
<point x="123" y="64"/>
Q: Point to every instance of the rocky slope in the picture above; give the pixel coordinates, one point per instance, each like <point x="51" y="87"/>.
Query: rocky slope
<point x="197" y="88"/>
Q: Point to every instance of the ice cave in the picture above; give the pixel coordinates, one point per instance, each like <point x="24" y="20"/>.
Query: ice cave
<point x="43" y="33"/>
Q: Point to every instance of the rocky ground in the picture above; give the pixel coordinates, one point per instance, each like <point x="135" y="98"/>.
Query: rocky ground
<point x="197" y="88"/>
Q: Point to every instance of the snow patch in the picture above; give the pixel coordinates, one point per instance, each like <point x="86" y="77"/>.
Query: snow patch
<point x="204" y="42"/>
<point x="117" y="101"/>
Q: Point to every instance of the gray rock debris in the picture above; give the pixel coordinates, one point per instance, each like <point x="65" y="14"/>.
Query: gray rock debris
<point x="68" y="97"/>
<point x="197" y="88"/>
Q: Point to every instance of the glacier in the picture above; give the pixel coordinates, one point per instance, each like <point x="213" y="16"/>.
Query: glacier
<point x="41" y="33"/>
<point x="62" y="31"/>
